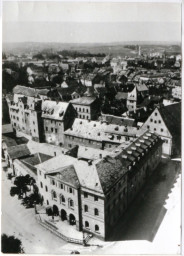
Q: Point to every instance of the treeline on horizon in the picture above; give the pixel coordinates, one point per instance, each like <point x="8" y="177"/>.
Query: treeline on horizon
<point x="65" y="53"/>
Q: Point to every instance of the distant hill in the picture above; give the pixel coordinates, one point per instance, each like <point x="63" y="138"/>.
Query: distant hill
<point x="114" y="49"/>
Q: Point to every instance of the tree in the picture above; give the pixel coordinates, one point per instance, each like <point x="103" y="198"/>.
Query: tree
<point x="14" y="191"/>
<point x="10" y="244"/>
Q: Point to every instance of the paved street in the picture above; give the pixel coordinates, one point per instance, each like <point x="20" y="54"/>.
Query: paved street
<point x="152" y="223"/>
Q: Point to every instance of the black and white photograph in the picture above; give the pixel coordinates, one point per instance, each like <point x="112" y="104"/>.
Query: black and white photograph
<point x="91" y="127"/>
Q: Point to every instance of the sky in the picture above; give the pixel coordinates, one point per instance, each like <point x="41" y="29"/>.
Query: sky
<point x="91" y="22"/>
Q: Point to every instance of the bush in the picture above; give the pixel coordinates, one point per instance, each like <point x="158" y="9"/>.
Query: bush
<point x="10" y="244"/>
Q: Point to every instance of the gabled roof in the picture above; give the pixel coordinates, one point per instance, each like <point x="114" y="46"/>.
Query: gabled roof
<point x="9" y="142"/>
<point x="36" y="159"/>
<point x="54" y="110"/>
<point x="109" y="170"/>
<point x="18" y="151"/>
<point x="66" y="174"/>
<point x="171" y="115"/>
<point x="141" y="87"/>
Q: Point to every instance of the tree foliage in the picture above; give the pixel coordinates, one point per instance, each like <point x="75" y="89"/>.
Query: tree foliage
<point x="10" y="244"/>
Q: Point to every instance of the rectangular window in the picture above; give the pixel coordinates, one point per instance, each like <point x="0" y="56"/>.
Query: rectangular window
<point x="85" y="194"/>
<point x="55" y="130"/>
<point x="96" y="198"/>
<point x="46" y="128"/>
<point x="52" y="129"/>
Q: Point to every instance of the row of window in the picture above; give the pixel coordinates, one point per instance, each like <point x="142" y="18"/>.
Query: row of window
<point x="86" y="209"/>
<point x="52" y="129"/>
<point x="155" y="128"/>
<point x="86" y="196"/>
<point x="62" y="199"/>
<point x="82" y="110"/>
<point x="61" y="186"/>
<point x="83" y="117"/>
<point x="86" y="224"/>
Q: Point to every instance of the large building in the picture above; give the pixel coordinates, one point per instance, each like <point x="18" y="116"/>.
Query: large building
<point x="99" y="135"/>
<point x="93" y="195"/>
<point x="25" y="112"/>
<point x="166" y="122"/>
<point x="87" y="107"/>
<point x="57" y="117"/>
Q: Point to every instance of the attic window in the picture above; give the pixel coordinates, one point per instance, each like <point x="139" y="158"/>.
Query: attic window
<point x="116" y="128"/>
<point x="61" y="113"/>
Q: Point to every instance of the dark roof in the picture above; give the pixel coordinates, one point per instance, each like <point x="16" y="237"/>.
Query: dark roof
<point x="171" y="115"/>
<point x="67" y="174"/>
<point x="37" y="158"/>
<point x="9" y="141"/>
<point x="119" y="120"/>
<point x="109" y="171"/>
<point x="18" y="151"/>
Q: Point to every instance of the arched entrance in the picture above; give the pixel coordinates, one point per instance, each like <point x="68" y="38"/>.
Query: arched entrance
<point x="63" y="215"/>
<point x="72" y="220"/>
<point x="55" y="210"/>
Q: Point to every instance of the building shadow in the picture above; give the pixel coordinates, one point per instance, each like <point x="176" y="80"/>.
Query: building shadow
<point x="146" y="213"/>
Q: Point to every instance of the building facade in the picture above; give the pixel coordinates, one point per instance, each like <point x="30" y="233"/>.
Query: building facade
<point x="93" y="195"/>
<point x="57" y="117"/>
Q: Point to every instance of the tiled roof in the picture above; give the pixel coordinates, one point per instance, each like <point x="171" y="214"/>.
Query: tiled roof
<point x="36" y="159"/>
<point x="118" y="120"/>
<point x="90" y="153"/>
<point x="171" y="115"/>
<point x="110" y="170"/>
<point x="9" y="141"/>
<point x="54" y="110"/>
<point x="100" y="131"/>
<point x="29" y="92"/>
<point x="141" y="87"/>
<point x="18" y="151"/>
<point x="67" y="174"/>
<point x="83" y="100"/>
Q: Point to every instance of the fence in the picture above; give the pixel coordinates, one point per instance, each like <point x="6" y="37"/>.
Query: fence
<point x="53" y="229"/>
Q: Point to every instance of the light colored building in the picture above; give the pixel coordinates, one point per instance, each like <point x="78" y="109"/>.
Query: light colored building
<point x="93" y="195"/>
<point x="166" y="122"/>
<point x="57" y="117"/>
<point x="99" y="135"/>
<point x="86" y="107"/>
<point x="177" y="92"/>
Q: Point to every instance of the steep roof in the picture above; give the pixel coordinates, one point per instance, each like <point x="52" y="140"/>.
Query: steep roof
<point x="171" y="115"/>
<point x="9" y="141"/>
<point x="67" y="174"/>
<point x="109" y="170"/>
<point x="141" y="87"/>
<point x="54" y="110"/>
<point x="18" y="151"/>
<point x="36" y="159"/>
